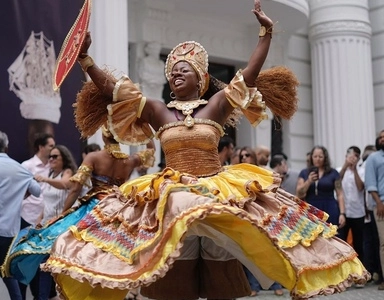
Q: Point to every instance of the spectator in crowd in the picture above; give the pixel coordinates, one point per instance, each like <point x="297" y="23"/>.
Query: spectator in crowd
<point x="247" y="155"/>
<point x="38" y="165"/>
<point x="90" y="148"/>
<point x="352" y="180"/>
<point x="235" y="158"/>
<point x="308" y="159"/>
<point x="226" y="147"/>
<point x="374" y="182"/>
<point x="262" y="155"/>
<point x="371" y="237"/>
<point x="62" y="167"/>
<point x="33" y="206"/>
<point x="318" y="185"/>
<point x="15" y="183"/>
<point x="289" y="177"/>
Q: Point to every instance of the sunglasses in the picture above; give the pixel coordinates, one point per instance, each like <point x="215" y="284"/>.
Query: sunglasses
<point x="245" y="155"/>
<point x="54" y="156"/>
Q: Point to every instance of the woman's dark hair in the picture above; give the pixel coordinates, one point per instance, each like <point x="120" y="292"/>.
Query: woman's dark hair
<point x="327" y="161"/>
<point x="276" y="160"/>
<point x="91" y="148"/>
<point x="68" y="160"/>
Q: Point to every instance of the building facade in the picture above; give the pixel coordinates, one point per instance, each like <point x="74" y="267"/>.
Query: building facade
<point x="335" y="47"/>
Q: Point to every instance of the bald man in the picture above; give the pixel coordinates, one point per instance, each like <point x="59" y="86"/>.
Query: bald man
<point x="262" y="155"/>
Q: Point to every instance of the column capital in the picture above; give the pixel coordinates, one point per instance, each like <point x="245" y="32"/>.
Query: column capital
<point x="339" y="17"/>
<point x="340" y="28"/>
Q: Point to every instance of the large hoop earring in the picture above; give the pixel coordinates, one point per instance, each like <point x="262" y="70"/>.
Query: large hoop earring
<point x="172" y="95"/>
<point x="199" y="87"/>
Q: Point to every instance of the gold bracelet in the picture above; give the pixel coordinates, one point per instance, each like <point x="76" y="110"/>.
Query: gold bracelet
<point x="263" y="31"/>
<point x="83" y="55"/>
<point x="86" y="63"/>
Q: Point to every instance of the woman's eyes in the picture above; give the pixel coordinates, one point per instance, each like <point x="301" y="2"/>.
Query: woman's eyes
<point x="181" y="71"/>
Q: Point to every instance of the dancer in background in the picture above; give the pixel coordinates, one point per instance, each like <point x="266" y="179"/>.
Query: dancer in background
<point x="103" y="170"/>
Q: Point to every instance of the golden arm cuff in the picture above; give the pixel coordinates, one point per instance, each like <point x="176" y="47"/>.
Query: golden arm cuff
<point x="86" y="63"/>
<point x="83" y="175"/>
<point x="147" y="157"/>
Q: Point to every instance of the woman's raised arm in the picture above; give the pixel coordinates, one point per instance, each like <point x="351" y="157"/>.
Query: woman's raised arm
<point x="98" y="76"/>
<point x="260" y="53"/>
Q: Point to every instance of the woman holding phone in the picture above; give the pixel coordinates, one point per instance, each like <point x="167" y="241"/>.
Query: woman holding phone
<point x="318" y="185"/>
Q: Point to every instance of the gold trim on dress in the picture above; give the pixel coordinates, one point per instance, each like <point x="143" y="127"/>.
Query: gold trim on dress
<point x="187" y="107"/>
<point x="197" y="120"/>
<point x="117" y="87"/>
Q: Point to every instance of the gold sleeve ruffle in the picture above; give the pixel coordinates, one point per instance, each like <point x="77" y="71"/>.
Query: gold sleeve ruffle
<point x="124" y="114"/>
<point x="83" y="175"/>
<point x="276" y="89"/>
<point x="248" y="99"/>
<point x="147" y="157"/>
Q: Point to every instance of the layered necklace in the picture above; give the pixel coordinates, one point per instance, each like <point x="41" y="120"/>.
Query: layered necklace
<point x="115" y="151"/>
<point x="187" y="108"/>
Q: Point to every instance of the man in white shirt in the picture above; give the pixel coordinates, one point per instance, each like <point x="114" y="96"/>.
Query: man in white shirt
<point x="352" y="177"/>
<point x="33" y="206"/>
<point x="37" y="165"/>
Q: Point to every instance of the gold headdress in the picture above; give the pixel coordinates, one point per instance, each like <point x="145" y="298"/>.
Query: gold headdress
<point x="194" y="54"/>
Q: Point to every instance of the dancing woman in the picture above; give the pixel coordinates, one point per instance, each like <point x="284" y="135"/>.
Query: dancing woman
<point x="182" y="233"/>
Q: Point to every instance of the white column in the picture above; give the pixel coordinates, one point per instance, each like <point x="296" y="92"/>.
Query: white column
<point x="109" y="31"/>
<point x="376" y="15"/>
<point x="343" y="110"/>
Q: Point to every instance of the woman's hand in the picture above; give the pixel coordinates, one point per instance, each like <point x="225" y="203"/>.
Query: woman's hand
<point x="342" y="220"/>
<point x="263" y="19"/>
<point x="313" y="176"/>
<point x="86" y="44"/>
<point x="39" y="178"/>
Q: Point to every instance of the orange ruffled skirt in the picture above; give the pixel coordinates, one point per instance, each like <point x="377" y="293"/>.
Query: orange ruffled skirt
<point x="134" y="236"/>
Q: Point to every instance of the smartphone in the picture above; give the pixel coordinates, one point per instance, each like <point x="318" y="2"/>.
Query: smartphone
<point x="314" y="169"/>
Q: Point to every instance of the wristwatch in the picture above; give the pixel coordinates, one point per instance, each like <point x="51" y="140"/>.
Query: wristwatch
<point x="263" y="31"/>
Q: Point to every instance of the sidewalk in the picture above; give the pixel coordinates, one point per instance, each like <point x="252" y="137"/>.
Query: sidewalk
<point x="369" y="292"/>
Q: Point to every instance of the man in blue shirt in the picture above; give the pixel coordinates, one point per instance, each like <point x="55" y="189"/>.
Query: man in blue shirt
<point x="374" y="182"/>
<point x="15" y="184"/>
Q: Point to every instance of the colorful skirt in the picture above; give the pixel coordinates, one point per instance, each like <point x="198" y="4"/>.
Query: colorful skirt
<point x="32" y="245"/>
<point x="136" y="235"/>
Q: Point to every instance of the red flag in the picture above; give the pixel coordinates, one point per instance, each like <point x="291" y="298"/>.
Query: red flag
<point x="71" y="46"/>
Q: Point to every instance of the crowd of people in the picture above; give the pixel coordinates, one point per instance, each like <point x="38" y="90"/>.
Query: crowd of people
<point x="101" y="235"/>
<point x="340" y="192"/>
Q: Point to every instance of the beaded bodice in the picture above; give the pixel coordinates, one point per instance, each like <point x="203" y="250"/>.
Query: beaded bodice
<point x="192" y="150"/>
